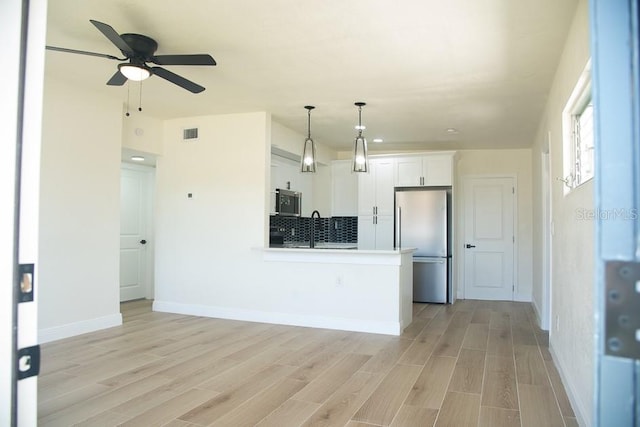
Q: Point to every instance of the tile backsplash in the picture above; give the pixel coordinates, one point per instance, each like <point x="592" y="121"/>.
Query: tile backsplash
<point x="338" y="229"/>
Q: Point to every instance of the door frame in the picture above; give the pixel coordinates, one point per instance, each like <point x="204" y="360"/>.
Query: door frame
<point x="464" y="180"/>
<point x="149" y="255"/>
<point x="23" y="27"/>
<point x="547" y="239"/>
<point x="614" y="31"/>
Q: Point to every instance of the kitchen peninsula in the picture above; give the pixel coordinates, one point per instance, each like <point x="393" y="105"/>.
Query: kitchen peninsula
<point x="348" y="289"/>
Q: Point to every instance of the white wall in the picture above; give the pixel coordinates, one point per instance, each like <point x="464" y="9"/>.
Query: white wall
<point x="203" y="244"/>
<point x="78" y="281"/>
<point x="502" y="163"/>
<point x="572" y="323"/>
<point x="142" y="133"/>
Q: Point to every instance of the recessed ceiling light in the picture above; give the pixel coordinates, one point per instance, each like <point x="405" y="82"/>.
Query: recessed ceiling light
<point x="377" y="139"/>
<point x="452" y="130"/>
<point x="137" y="158"/>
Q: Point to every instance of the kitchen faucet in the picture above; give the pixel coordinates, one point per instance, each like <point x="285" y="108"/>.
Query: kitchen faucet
<point x="312" y="237"/>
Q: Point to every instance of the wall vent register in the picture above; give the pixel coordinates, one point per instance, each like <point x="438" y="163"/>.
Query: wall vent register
<point x="190" y="134"/>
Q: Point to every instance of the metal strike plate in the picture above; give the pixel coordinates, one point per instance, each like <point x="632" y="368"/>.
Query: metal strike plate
<point x="26" y="282"/>
<point x="622" y="305"/>
<point x="28" y="362"/>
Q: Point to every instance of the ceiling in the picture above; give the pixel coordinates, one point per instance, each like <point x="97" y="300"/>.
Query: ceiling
<point x="483" y="68"/>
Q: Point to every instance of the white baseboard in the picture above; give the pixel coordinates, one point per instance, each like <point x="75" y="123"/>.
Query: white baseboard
<point x="522" y="297"/>
<point x="576" y="404"/>
<point x="538" y="313"/>
<point x="78" y="328"/>
<point x="355" y="325"/>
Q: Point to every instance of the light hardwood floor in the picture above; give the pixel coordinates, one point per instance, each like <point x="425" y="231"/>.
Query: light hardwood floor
<point x="475" y="363"/>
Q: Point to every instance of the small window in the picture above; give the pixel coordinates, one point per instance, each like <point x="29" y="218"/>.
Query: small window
<point x="578" y="138"/>
<point x="583" y="144"/>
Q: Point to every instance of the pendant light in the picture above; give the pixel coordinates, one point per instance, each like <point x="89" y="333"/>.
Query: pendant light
<point x="360" y="159"/>
<point x="308" y="159"/>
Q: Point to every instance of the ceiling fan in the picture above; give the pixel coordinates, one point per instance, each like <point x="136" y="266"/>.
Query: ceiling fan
<point x="138" y="51"/>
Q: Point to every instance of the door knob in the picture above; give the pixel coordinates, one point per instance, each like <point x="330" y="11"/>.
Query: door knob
<point x="468" y="246"/>
<point x="144" y="242"/>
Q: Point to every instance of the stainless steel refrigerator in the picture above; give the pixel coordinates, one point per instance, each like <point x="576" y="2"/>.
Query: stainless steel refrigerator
<point x="423" y="221"/>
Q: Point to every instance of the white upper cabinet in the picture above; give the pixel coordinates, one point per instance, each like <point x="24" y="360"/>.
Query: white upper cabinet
<point x="375" y="189"/>
<point x="344" y="189"/>
<point x="375" y="205"/>
<point x="426" y="170"/>
<point x="408" y="171"/>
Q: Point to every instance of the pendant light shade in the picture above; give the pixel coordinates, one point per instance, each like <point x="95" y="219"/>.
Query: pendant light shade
<point x="308" y="158"/>
<point x="360" y="158"/>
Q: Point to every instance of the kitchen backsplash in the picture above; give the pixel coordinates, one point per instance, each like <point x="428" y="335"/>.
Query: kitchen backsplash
<point x="338" y="229"/>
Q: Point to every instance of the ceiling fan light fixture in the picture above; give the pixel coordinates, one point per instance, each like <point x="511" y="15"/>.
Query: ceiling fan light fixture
<point x="308" y="159"/>
<point x="360" y="158"/>
<point x="134" y="72"/>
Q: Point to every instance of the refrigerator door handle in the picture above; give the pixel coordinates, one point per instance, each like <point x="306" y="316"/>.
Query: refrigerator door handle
<point x="398" y="228"/>
<point x="430" y="260"/>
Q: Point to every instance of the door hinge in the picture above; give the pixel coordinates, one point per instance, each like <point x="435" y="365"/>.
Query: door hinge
<point x="513" y="239"/>
<point x="622" y="309"/>
<point x="28" y="362"/>
<point x="513" y="190"/>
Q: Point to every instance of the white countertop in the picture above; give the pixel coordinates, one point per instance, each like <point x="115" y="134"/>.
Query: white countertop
<point x="337" y="256"/>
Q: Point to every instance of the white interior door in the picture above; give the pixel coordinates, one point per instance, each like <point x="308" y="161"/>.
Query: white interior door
<point x="489" y="238"/>
<point x="135" y="206"/>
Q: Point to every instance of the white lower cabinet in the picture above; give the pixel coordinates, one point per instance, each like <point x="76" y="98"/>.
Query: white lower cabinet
<point x="375" y="232"/>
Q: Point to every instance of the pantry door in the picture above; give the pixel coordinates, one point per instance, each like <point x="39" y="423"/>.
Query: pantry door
<point x="489" y="238"/>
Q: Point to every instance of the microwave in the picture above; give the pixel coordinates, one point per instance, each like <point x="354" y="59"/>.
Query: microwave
<point x="288" y="203"/>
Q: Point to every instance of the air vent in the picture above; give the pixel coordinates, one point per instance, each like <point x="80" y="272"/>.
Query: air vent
<point x="190" y="134"/>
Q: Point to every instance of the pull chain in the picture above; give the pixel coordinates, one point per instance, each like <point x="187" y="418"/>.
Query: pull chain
<point x="127" y="113"/>
<point x="140" y="101"/>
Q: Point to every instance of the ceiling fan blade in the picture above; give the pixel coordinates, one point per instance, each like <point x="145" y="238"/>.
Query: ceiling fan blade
<point x="113" y="36"/>
<point x="198" y="59"/>
<point x="83" y="52"/>
<point x="176" y="79"/>
<point x="118" y="79"/>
